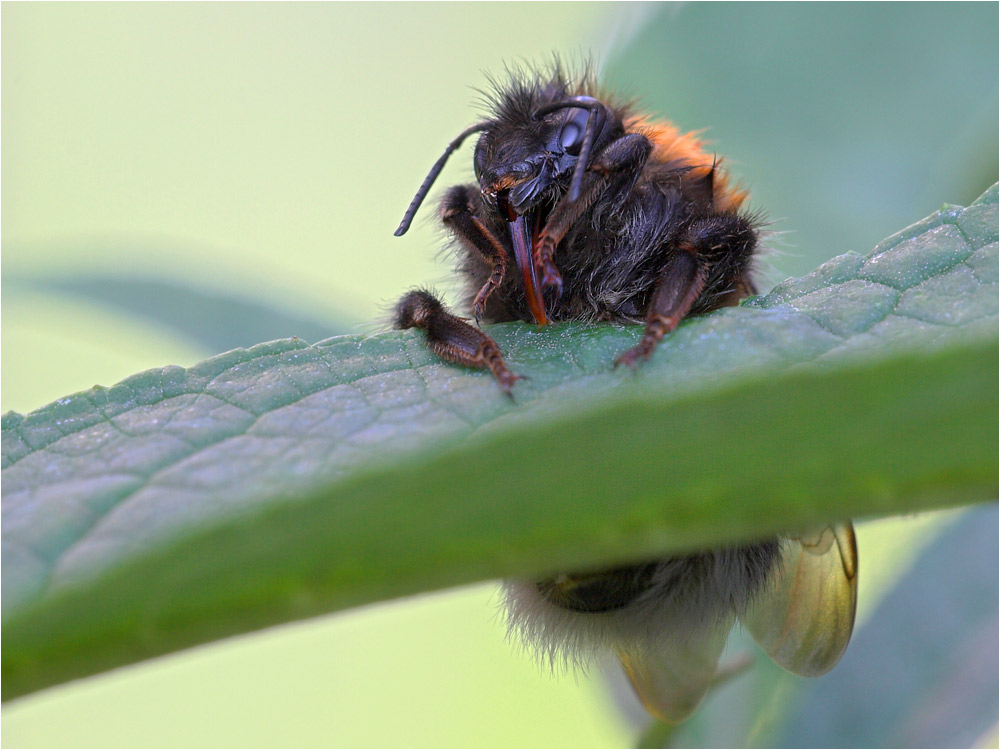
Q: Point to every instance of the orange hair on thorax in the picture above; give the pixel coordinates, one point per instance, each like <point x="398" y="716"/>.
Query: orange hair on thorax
<point x="686" y="149"/>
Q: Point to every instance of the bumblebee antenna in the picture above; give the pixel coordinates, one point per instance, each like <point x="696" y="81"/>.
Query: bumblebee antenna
<point x="432" y="175"/>
<point x="595" y="108"/>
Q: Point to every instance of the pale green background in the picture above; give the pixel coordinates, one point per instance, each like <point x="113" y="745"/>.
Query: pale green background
<point x="268" y="151"/>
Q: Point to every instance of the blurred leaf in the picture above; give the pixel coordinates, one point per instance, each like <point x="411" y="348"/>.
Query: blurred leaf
<point x="845" y="120"/>
<point x="287" y="480"/>
<point x="923" y="671"/>
<point x="659" y="734"/>
<point x="216" y="322"/>
<point x="907" y="679"/>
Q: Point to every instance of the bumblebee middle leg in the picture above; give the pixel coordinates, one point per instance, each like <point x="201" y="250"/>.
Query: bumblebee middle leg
<point x="721" y="243"/>
<point x="452" y="338"/>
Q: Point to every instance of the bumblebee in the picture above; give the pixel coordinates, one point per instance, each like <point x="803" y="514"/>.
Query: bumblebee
<point x="585" y="209"/>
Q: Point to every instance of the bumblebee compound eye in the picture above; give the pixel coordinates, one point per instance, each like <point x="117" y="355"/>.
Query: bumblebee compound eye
<point x="479" y="162"/>
<point x="571" y="135"/>
<point x="581" y="109"/>
<point x="582" y="126"/>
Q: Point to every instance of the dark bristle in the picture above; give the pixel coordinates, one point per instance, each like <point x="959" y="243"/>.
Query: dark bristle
<point x="522" y="89"/>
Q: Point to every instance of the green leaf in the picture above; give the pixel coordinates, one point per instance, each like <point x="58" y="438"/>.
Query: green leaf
<point x="288" y="480"/>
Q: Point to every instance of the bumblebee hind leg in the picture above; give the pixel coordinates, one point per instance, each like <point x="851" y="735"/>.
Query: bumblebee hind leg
<point x="450" y="337"/>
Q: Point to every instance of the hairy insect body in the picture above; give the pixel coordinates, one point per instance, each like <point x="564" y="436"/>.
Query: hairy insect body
<point x="585" y="210"/>
<point x="612" y="264"/>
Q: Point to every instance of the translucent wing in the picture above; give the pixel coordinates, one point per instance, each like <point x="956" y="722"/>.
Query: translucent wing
<point x="804" y="618"/>
<point x="672" y="679"/>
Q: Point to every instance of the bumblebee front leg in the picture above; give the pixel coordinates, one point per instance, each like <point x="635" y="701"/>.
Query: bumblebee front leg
<point x="458" y="212"/>
<point x="620" y="162"/>
<point x="452" y="338"/>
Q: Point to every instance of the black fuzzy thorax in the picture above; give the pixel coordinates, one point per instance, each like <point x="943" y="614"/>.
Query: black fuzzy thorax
<point x="611" y="262"/>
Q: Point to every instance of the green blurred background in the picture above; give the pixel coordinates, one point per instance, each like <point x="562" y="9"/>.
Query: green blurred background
<point x="181" y="179"/>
